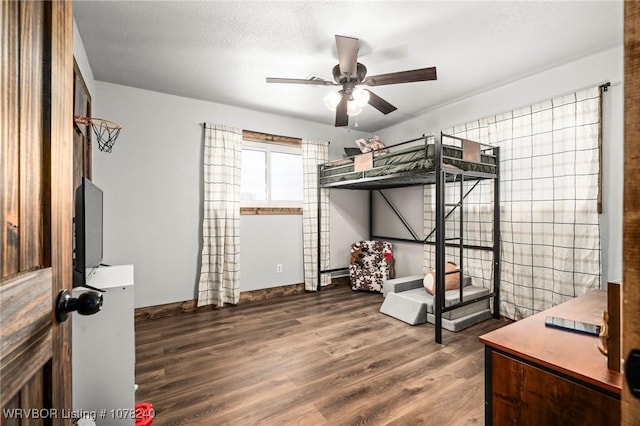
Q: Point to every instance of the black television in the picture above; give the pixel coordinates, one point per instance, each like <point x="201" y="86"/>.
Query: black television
<point x="87" y="254"/>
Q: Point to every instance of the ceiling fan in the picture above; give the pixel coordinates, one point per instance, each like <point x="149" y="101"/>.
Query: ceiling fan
<point x="349" y="73"/>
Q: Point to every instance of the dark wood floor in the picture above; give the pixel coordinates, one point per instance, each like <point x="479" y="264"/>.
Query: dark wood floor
<point x="309" y="359"/>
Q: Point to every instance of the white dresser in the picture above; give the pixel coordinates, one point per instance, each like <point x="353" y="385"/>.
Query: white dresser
<point x="103" y="350"/>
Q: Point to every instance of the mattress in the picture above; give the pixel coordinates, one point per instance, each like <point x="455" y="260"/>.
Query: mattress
<point x="417" y="159"/>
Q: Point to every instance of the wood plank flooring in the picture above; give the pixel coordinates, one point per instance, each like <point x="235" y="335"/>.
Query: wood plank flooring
<point x="308" y="359"/>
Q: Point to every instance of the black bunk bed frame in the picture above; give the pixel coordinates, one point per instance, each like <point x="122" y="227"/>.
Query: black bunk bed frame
<point x="440" y="175"/>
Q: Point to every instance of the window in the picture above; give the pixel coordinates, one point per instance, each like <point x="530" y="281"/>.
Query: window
<point x="271" y="175"/>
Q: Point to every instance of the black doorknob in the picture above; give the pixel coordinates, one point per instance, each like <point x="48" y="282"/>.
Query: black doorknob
<point x="632" y="372"/>
<point x="88" y="303"/>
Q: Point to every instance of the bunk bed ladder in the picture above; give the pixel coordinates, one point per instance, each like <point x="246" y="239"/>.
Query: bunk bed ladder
<point x="440" y="240"/>
<point x="443" y="241"/>
<point x="461" y="238"/>
<point x="496" y="236"/>
<point x="442" y="177"/>
<point x="319" y="237"/>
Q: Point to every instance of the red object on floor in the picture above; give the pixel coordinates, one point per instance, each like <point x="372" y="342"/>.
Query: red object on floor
<point x="144" y="414"/>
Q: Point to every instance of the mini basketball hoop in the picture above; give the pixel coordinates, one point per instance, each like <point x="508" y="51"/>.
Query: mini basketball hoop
<point x="106" y="131"/>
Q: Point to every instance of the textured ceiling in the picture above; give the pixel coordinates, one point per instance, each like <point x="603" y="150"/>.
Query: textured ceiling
<point x="221" y="51"/>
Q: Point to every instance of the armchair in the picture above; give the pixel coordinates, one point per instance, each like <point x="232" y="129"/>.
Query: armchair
<point x="371" y="263"/>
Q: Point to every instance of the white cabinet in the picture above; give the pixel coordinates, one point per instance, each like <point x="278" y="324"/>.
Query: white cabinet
<point x="103" y="350"/>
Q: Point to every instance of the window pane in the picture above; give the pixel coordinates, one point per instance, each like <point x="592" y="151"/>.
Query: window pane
<point x="286" y="176"/>
<point x="254" y="177"/>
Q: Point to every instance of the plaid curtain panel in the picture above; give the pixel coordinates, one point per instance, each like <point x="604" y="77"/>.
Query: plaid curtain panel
<point x="220" y="271"/>
<point x="314" y="152"/>
<point x="549" y="228"/>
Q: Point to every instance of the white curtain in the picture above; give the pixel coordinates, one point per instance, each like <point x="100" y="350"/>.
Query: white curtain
<point x="314" y="152"/>
<point x="220" y="272"/>
<point x="550" y="235"/>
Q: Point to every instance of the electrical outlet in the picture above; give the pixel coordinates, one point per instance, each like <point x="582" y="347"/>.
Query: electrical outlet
<point x="279" y="268"/>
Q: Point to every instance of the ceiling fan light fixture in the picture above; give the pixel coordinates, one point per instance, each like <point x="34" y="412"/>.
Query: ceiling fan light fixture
<point x="332" y="100"/>
<point x="360" y="96"/>
<point x="353" y="108"/>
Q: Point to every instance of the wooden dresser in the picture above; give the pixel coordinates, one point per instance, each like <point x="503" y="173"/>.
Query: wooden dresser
<point x="536" y="375"/>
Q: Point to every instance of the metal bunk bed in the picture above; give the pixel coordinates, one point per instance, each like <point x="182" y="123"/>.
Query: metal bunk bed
<point x="426" y="161"/>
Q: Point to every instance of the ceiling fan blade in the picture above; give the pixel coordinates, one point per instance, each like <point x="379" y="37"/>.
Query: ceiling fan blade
<point x="315" y="82"/>
<point x="380" y="104"/>
<point x="422" y="74"/>
<point x="342" y="118"/>
<point x="347" y="54"/>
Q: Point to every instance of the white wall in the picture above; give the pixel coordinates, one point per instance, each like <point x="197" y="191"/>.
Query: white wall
<point x="152" y="193"/>
<point x="580" y="74"/>
<point x="349" y="222"/>
<point x="81" y="59"/>
<point x="267" y="241"/>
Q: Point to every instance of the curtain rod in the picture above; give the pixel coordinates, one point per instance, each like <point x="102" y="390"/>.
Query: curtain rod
<point x="204" y="125"/>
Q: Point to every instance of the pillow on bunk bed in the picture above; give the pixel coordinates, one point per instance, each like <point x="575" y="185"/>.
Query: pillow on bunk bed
<point x="451" y="281"/>
<point x="350" y="152"/>
<point x="374" y="144"/>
